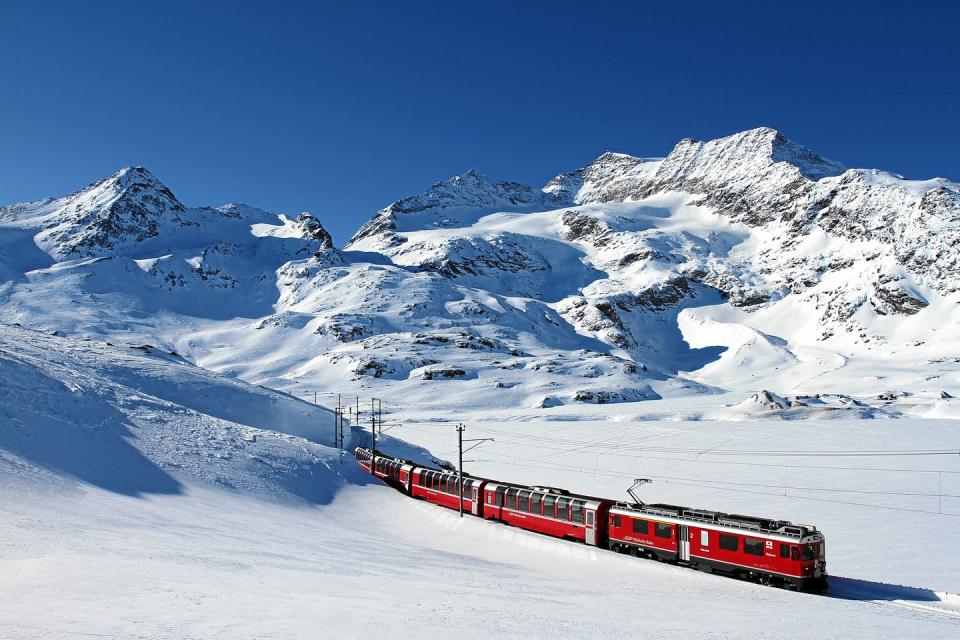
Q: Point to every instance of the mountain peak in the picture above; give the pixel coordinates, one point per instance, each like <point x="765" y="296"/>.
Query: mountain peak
<point x="604" y="179"/>
<point x="132" y="183"/>
<point x="744" y="154"/>
<point x="126" y="207"/>
<point x="615" y="156"/>
<point x="470" y="191"/>
<point x="135" y="173"/>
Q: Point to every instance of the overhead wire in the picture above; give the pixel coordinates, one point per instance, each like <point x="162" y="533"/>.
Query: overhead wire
<point x="711" y="484"/>
<point x="745" y="487"/>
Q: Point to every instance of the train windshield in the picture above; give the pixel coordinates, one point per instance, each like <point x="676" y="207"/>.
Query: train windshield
<point x="812" y="551"/>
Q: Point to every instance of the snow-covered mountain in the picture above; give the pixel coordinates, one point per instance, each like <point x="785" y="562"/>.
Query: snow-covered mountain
<point x="740" y="263"/>
<point x="586" y="331"/>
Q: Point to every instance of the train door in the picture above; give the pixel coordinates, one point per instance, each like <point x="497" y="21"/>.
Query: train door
<point x="475" y="496"/>
<point x="591" y="527"/>
<point x="683" y="543"/>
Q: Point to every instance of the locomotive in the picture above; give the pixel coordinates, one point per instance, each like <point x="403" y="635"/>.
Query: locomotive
<point x="771" y="552"/>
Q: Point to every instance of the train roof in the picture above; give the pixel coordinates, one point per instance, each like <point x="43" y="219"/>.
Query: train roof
<point x="551" y="491"/>
<point x="417" y="465"/>
<point x="732" y="520"/>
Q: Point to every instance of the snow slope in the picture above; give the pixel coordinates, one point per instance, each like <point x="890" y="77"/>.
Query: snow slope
<point x="253" y="559"/>
<point x="139" y="421"/>
<point x="210" y="565"/>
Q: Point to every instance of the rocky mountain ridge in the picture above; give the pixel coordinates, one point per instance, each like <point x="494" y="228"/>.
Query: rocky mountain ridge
<point x="627" y="279"/>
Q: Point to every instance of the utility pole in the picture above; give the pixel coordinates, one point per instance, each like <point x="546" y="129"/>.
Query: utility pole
<point x="460" y="429"/>
<point x="373" y="425"/>
<point x="477" y="442"/>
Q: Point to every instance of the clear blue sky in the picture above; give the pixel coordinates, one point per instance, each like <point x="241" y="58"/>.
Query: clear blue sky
<point x="341" y="108"/>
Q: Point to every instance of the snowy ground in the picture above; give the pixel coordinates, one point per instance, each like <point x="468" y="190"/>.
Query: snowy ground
<point x="144" y="497"/>
<point x="876" y="511"/>
<point x="210" y="565"/>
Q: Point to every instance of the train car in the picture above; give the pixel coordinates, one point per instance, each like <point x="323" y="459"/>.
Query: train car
<point x="773" y="552"/>
<point x="441" y="487"/>
<point x="394" y="471"/>
<point x="364" y="458"/>
<point x="553" y="512"/>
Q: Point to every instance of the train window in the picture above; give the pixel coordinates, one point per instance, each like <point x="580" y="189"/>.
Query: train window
<point x="808" y="551"/>
<point x="576" y="511"/>
<point x="549" y="502"/>
<point x="784" y="550"/>
<point x="729" y="543"/>
<point x="615" y="521"/>
<point x="535" y="502"/>
<point x="589" y="518"/>
<point x="511" y="498"/>
<point x="753" y="547"/>
<point x="822" y="547"/>
<point x="641" y="526"/>
<point x="500" y="492"/>
<point x="562" y="506"/>
<point x="663" y="530"/>
<point x="704" y="538"/>
<point x="523" y="501"/>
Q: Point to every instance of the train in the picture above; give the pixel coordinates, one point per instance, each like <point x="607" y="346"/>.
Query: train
<point x="771" y="552"/>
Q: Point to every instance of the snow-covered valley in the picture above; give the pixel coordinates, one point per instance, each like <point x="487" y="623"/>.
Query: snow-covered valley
<point x="755" y="328"/>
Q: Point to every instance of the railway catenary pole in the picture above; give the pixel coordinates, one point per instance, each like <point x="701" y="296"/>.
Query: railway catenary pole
<point x="460" y="429"/>
<point x="373" y="427"/>
<point x="476" y="443"/>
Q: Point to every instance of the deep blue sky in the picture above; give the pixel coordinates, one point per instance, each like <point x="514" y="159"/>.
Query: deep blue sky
<point x="341" y="108"/>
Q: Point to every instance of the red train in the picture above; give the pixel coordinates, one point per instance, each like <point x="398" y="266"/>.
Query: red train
<point x="772" y="552"/>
